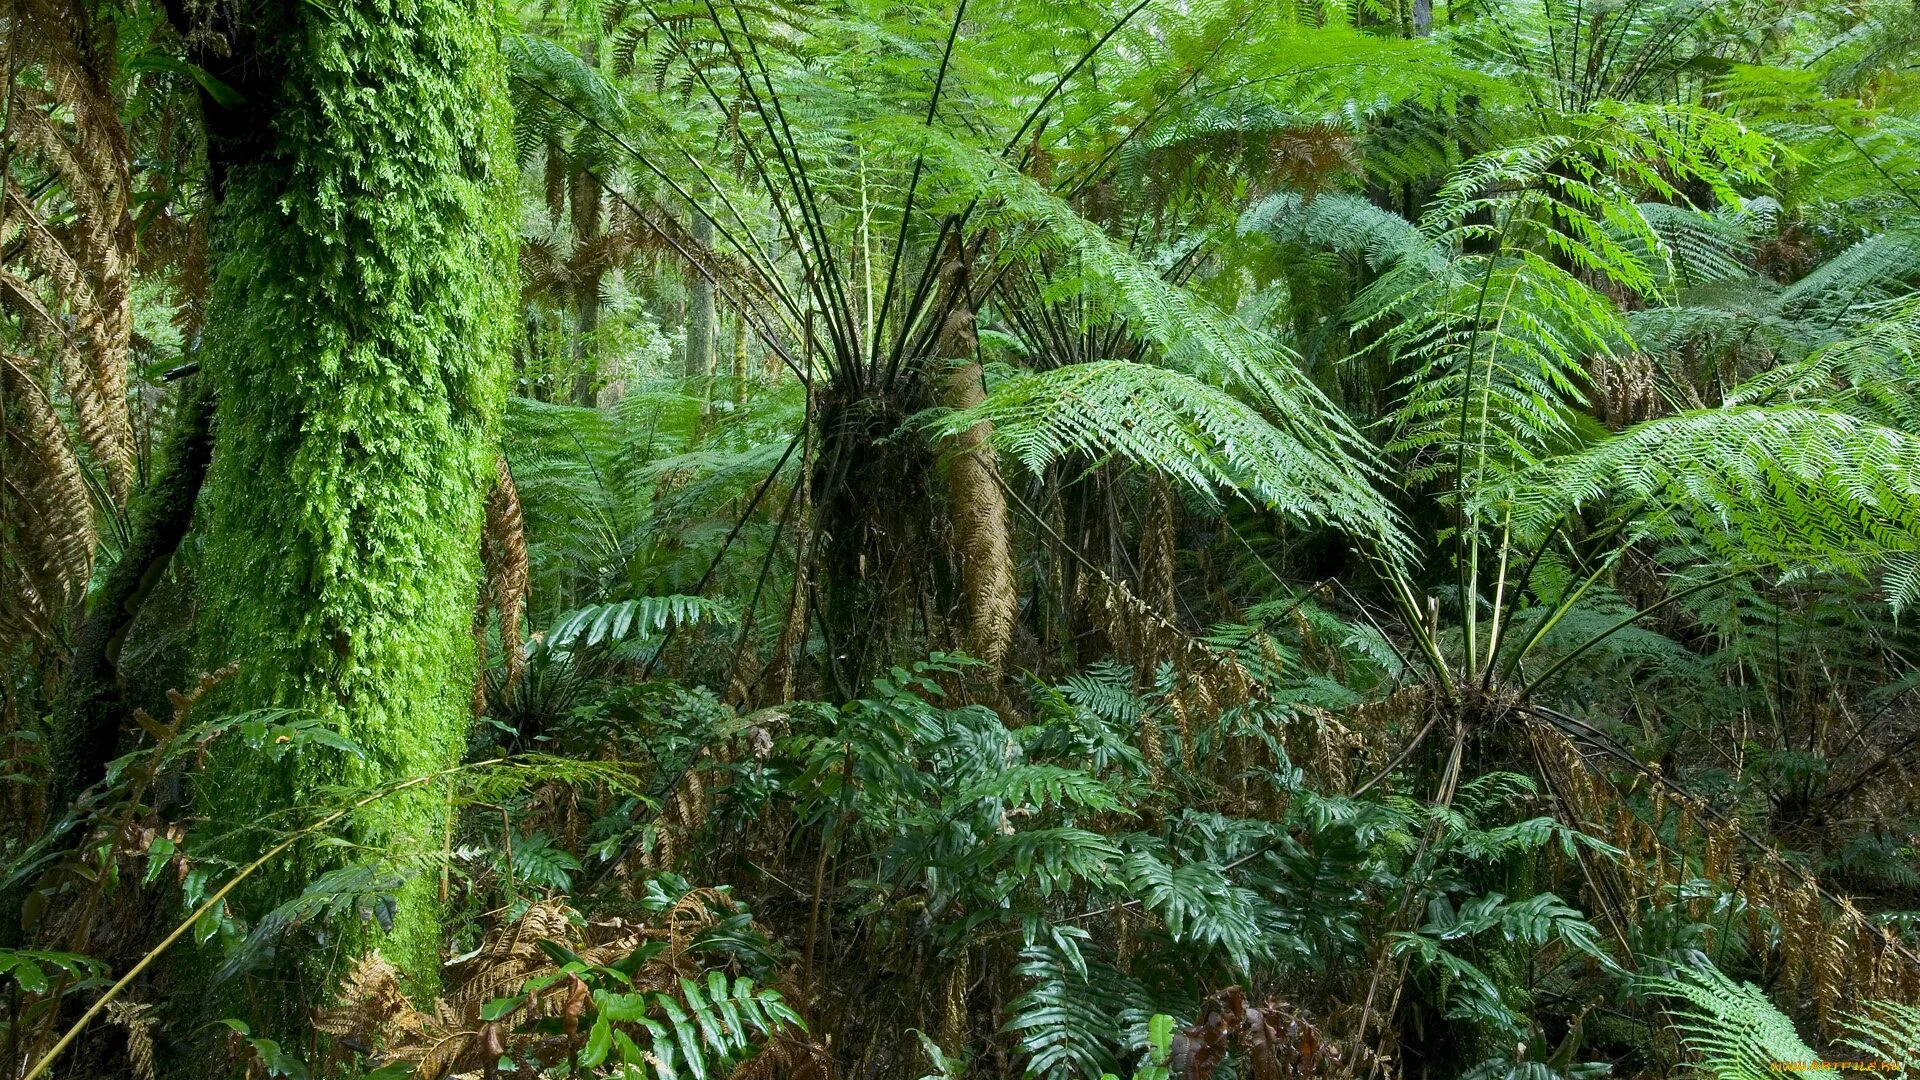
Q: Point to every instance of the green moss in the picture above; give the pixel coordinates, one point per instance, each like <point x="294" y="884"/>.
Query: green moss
<point x="358" y="324"/>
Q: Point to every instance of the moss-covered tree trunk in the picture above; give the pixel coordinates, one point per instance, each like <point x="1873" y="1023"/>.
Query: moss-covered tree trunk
<point x="357" y="331"/>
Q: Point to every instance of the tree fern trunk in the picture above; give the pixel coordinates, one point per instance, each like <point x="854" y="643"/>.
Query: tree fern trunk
<point x="979" y="509"/>
<point x="358" y="325"/>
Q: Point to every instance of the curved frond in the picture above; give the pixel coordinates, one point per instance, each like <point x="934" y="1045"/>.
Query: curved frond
<point x="1785" y="487"/>
<point x="1190" y="430"/>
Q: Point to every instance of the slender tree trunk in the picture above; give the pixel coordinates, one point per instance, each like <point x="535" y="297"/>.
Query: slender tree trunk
<point x="585" y="203"/>
<point x="87" y="740"/>
<point x="586" y="322"/>
<point x="700" y="307"/>
<point x="739" y="359"/>
<point x="359" y="322"/>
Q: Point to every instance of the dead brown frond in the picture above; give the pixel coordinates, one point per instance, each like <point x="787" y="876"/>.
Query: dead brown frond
<point x="1211" y="677"/>
<point x="46" y="513"/>
<point x="787" y="1058"/>
<point x="1157" y="545"/>
<point x="1273" y="1040"/>
<point x="134" y="1020"/>
<point x="1823" y="943"/>
<point x="683" y="812"/>
<point x="544" y="273"/>
<point x="373" y="1011"/>
<point x="1623" y="389"/>
<point x="70" y="242"/>
<point x="66" y="258"/>
<point x="1309" y="157"/>
<point x="1209" y="681"/>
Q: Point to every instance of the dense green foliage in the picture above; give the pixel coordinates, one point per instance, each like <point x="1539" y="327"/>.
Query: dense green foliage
<point x="1185" y="540"/>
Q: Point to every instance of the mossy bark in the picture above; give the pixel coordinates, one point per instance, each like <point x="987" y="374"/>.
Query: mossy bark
<point x="357" y="331"/>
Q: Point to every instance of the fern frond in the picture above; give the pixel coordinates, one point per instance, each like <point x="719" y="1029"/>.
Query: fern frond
<point x="1347" y="224"/>
<point x="1186" y="428"/>
<point x="1200" y="905"/>
<point x="1735" y="1030"/>
<point x="1207" y="344"/>
<point x="1075" y="1011"/>
<point x="1875" y="270"/>
<point x="1873" y="373"/>
<point x="1887" y="1031"/>
<point x="1784" y="487"/>
<point x="605" y="624"/>
<point x="1495" y="354"/>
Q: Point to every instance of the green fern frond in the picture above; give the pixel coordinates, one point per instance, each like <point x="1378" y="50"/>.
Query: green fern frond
<point x="1874" y="373"/>
<point x="1873" y="271"/>
<point x="1198" y="339"/>
<point x="1347" y="224"/>
<point x="1494" y="354"/>
<point x="704" y="1030"/>
<point x="1734" y="1029"/>
<point x="1705" y="246"/>
<point x="1787" y="488"/>
<point x="1887" y="1031"/>
<point x="1188" y="429"/>
<point x="1076" y="1010"/>
<point x="1200" y="906"/>
<point x="605" y="624"/>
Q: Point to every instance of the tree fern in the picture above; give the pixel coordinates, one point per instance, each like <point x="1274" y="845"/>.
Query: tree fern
<point x="1211" y="346"/>
<point x="1565" y="58"/>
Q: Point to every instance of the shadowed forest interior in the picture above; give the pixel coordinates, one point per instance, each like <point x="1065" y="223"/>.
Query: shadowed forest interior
<point x="843" y="540"/>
